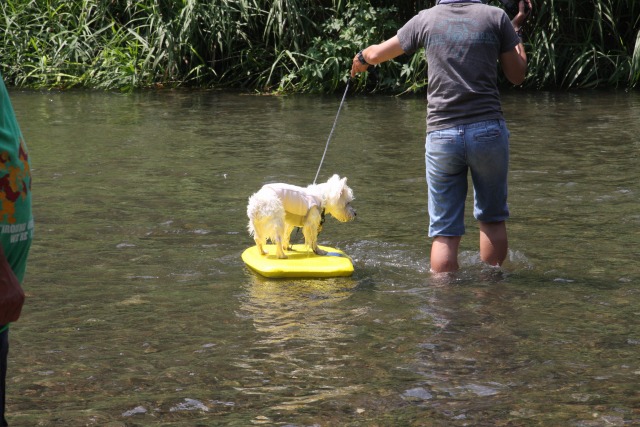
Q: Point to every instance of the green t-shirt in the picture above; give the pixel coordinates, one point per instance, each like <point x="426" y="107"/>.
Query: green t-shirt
<point x="16" y="220"/>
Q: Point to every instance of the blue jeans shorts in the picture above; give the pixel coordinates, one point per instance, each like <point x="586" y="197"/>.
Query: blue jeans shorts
<point x="483" y="149"/>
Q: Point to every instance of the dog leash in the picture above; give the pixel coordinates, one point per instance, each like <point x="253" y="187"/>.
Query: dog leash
<point x="333" y="128"/>
<point x="346" y="89"/>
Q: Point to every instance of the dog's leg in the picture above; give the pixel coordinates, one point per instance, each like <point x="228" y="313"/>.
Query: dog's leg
<point x="279" y="251"/>
<point x="287" y="237"/>
<point x="310" y="230"/>
<point x="259" y="242"/>
<point x="255" y="229"/>
<point x="260" y="248"/>
<point x="279" y="229"/>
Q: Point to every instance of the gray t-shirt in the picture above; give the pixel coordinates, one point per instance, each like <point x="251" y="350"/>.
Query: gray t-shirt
<point x="462" y="42"/>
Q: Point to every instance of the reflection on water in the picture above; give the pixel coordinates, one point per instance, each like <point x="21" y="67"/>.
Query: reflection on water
<point x="301" y="327"/>
<point x="141" y="312"/>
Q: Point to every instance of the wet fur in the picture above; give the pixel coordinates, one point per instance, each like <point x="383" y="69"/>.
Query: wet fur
<point x="269" y="221"/>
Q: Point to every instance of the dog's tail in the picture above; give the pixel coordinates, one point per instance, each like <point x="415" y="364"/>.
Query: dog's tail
<point x="252" y="211"/>
<point x="250" y="228"/>
<point x="264" y="206"/>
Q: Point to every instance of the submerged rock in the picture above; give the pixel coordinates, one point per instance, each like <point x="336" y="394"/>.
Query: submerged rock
<point x="135" y="411"/>
<point x="190" y="405"/>
<point x="417" y="394"/>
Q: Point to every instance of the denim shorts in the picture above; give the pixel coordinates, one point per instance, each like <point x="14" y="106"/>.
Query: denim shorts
<point x="483" y="149"/>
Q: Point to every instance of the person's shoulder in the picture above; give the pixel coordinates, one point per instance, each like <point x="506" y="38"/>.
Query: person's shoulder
<point x="421" y="14"/>
<point x="493" y="11"/>
<point x="417" y="21"/>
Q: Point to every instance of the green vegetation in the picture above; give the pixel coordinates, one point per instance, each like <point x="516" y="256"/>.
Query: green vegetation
<point x="285" y="45"/>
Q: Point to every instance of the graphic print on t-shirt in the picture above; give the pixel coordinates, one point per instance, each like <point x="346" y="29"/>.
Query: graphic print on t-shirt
<point x="15" y="183"/>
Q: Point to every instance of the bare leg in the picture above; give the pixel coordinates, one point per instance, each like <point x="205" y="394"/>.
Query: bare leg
<point x="493" y="242"/>
<point x="444" y="253"/>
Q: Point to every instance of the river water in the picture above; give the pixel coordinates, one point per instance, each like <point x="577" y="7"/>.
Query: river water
<point x="141" y="312"/>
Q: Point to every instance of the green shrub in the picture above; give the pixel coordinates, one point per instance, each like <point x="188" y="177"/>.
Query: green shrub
<point x="286" y="45"/>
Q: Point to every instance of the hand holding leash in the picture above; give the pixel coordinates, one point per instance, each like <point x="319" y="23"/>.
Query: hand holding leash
<point x="360" y="64"/>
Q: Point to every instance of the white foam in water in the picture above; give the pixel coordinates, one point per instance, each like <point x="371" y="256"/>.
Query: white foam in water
<point x="389" y="255"/>
<point x="516" y="260"/>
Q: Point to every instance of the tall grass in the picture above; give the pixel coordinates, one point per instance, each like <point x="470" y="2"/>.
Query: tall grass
<point x="285" y="45"/>
<point x="576" y="44"/>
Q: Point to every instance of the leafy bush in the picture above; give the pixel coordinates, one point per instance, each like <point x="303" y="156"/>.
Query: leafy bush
<point x="326" y="64"/>
<point x="285" y="45"/>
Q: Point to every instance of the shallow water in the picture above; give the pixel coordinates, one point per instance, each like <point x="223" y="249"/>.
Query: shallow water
<point x="140" y="311"/>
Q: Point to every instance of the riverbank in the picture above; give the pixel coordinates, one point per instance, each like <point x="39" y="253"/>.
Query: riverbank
<point x="285" y="46"/>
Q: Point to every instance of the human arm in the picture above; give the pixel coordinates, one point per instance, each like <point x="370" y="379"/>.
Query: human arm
<point x="11" y="294"/>
<point x="376" y="54"/>
<point x="514" y="61"/>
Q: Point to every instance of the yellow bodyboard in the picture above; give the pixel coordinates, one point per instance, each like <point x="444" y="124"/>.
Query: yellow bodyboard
<point x="301" y="262"/>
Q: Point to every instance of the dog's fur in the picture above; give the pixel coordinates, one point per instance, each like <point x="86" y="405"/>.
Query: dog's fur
<point x="276" y="209"/>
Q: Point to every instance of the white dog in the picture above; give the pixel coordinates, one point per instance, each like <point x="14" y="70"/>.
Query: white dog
<point x="276" y="209"/>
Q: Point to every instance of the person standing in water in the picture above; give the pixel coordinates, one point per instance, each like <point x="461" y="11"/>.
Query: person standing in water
<point x="464" y="40"/>
<point x="16" y="227"/>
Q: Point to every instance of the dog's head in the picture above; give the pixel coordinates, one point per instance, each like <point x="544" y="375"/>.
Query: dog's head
<point x="338" y="196"/>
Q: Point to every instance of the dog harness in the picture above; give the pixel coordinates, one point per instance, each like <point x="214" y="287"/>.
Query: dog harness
<point x="296" y="202"/>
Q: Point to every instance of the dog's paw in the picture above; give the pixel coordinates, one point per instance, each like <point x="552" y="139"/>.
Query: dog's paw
<point x="319" y="251"/>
